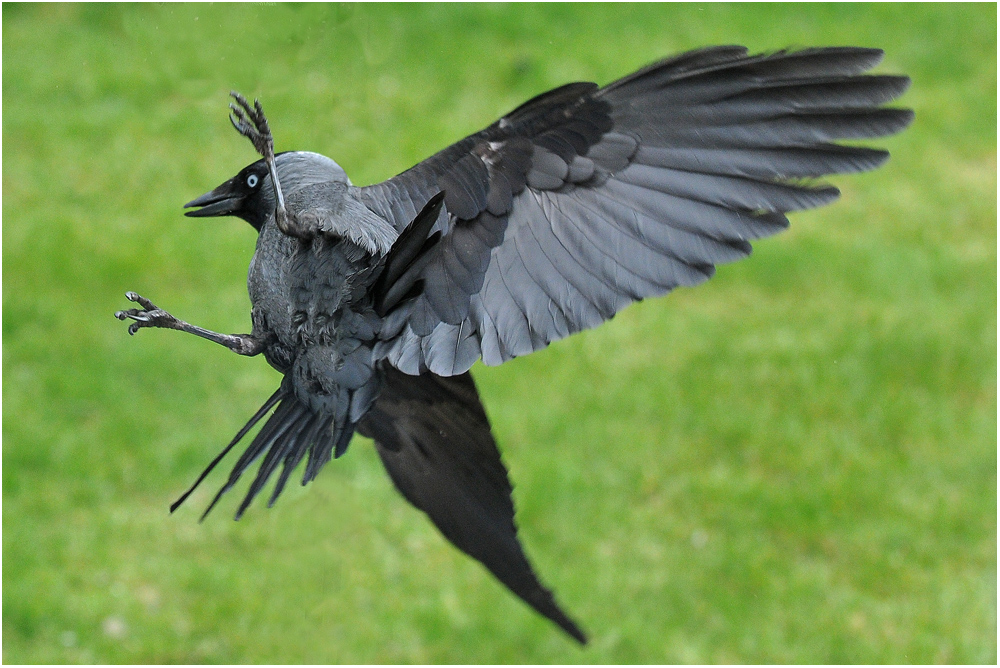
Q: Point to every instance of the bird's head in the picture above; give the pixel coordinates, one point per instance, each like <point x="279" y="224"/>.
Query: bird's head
<point x="249" y="195"/>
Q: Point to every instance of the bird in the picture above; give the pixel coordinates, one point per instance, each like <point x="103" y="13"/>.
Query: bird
<point x="374" y="302"/>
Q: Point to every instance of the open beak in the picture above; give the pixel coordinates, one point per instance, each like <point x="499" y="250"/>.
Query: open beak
<point x="220" y="202"/>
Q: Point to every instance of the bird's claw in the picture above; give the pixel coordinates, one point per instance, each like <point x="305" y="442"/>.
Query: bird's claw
<point x="252" y="124"/>
<point x="148" y="316"/>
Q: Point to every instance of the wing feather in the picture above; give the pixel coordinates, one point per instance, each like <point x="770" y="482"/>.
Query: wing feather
<point x="434" y="439"/>
<point x="585" y="199"/>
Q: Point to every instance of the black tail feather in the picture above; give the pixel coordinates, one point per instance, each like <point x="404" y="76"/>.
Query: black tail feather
<point x="275" y="455"/>
<point x="268" y="405"/>
<point x="274" y="442"/>
<point x="321" y="425"/>
<point x="279" y="422"/>
<point x="292" y="431"/>
<point x="319" y="454"/>
<point x="343" y="441"/>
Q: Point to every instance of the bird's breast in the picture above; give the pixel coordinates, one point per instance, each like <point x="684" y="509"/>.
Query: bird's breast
<point x="309" y="293"/>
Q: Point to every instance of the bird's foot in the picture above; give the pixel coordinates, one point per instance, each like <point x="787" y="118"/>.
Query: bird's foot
<point x="148" y="316"/>
<point x="252" y="124"/>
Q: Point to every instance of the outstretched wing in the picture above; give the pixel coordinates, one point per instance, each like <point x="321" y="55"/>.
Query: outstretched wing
<point x="434" y="440"/>
<point x="585" y="199"/>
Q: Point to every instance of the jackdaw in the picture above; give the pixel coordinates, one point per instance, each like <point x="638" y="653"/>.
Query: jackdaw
<point x="375" y="301"/>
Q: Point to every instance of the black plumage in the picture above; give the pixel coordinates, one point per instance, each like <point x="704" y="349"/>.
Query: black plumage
<point x="374" y="302"/>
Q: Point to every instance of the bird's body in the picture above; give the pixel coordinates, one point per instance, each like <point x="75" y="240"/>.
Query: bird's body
<point x="374" y="302"/>
<point x="312" y="299"/>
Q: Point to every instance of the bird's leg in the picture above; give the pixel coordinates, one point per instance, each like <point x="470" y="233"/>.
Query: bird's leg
<point x="252" y="124"/>
<point x="151" y="316"/>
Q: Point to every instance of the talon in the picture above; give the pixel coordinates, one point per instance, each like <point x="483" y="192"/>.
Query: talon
<point x="139" y="299"/>
<point x="242" y="127"/>
<point x="242" y="101"/>
<point x="252" y="124"/>
<point x="240" y="116"/>
<point x="149" y="316"/>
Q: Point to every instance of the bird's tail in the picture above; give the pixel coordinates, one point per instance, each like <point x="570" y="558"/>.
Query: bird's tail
<point x="292" y="431"/>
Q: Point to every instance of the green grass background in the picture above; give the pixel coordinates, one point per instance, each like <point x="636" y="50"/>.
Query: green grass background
<point x="795" y="462"/>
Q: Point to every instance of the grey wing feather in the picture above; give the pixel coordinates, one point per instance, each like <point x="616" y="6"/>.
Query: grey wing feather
<point x="328" y="208"/>
<point x="585" y="199"/>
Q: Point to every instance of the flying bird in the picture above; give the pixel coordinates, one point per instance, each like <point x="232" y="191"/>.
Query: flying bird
<point x="374" y="302"/>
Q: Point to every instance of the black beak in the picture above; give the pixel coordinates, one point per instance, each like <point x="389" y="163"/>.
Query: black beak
<point x="220" y="202"/>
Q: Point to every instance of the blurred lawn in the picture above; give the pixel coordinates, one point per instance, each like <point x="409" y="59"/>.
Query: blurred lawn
<point x="793" y="463"/>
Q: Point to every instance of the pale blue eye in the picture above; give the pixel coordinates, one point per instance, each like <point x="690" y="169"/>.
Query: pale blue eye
<point x="252" y="180"/>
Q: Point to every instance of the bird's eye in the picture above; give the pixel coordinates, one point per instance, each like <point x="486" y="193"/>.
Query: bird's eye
<point x="252" y="180"/>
